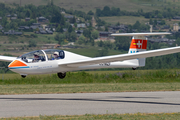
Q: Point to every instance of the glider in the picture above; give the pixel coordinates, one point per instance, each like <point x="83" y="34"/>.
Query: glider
<point x="60" y="62"/>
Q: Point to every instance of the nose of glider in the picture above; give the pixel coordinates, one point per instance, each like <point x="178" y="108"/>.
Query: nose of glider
<point x="17" y="64"/>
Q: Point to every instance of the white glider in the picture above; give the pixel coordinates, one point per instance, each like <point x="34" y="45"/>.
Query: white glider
<point x="59" y="61"/>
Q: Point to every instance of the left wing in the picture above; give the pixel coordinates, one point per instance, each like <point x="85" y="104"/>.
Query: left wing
<point x="114" y="58"/>
<point x="7" y="58"/>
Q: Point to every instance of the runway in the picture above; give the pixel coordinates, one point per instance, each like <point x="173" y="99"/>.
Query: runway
<point x="89" y="103"/>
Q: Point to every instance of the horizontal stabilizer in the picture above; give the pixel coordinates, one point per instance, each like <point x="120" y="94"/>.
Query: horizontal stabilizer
<point x="140" y="34"/>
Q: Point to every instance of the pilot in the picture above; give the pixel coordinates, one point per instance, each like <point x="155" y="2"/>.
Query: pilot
<point x="36" y="57"/>
<point x="56" y="56"/>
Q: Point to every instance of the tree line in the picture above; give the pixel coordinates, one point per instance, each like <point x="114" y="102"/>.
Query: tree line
<point x="165" y="13"/>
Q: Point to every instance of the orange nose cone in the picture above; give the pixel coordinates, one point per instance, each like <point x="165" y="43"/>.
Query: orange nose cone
<point x="17" y="63"/>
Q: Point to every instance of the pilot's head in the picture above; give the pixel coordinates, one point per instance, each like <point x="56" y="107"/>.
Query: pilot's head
<point x="56" y="54"/>
<point x="36" y="55"/>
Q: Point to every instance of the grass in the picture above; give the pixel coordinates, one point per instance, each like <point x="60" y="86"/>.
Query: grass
<point x="137" y="116"/>
<point x="86" y="88"/>
<point x="85" y="5"/>
<point x="93" y="81"/>
<point x="124" y="19"/>
<point x="128" y="76"/>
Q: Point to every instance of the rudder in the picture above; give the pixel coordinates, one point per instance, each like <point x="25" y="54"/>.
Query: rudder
<point x="138" y="44"/>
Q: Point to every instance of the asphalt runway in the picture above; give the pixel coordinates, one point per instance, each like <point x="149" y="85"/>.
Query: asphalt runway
<point x="89" y="103"/>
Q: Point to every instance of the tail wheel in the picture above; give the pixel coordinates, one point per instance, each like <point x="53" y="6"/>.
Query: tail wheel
<point x="61" y="75"/>
<point x="134" y="68"/>
<point x="23" y="76"/>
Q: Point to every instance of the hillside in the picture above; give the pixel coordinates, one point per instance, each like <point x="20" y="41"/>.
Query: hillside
<point x="86" y="5"/>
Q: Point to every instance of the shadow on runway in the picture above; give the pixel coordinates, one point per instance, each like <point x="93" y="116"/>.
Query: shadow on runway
<point x="134" y="97"/>
<point x="93" y="100"/>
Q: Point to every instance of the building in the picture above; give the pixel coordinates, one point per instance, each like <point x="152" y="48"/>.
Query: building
<point x="69" y="16"/>
<point x="176" y="18"/>
<point x="12" y="32"/>
<point x="35" y="26"/>
<point x="175" y="27"/>
<point x="116" y="29"/>
<point x="25" y="28"/>
<point x="43" y="20"/>
<point x="13" y="18"/>
<point x="49" y="32"/>
<point x="166" y="27"/>
<point x="93" y="22"/>
<point x="65" y="29"/>
<point x="27" y="19"/>
<point x="63" y="12"/>
<point x="162" y="40"/>
<point x="104" y="34"/>
<point x="8" y="16"/>
<point x="79" y="32"/>
<point x="82" y="25"/>
<point x="1" y="27"/>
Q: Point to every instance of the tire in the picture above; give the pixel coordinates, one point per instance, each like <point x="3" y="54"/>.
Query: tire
<point x="134" y="68"/>
<point x="61" y="75"/>
<point x="23" y="76"/>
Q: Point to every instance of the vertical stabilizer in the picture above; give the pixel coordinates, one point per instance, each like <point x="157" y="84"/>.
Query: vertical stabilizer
<point x="138" y="44"/>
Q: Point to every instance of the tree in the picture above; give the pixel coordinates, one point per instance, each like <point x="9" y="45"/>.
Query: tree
<point x="70" y="29"/>
<point x="60" y="38"/>
<point x="98" y="12"/>
<point x="95" y="34"/>
<point x="122" y="43"/>
<point x="115" y="11"/>
<point x="73" y="36"/>
<point x="106" y="28"/>
<point x="106" y="11"/>
<point x="81" y="39"/>
<point x="32" y="43"/>
<point x="136" y="25"/>
<point x="87" y="33"/>
<point x="100" y="43"/>
<point x="59" y="29"/>
<point x="118" y="24"/>
<point x="90" y="13"/>
<point x="150" y="21"/>
<point x="72" y="20"/>
<point x="28" y="13"/>
<point x="103" y="52"/>
<point x="52" y="2"/>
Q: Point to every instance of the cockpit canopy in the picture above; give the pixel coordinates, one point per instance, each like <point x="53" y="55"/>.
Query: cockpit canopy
<point x="42" y="55"/>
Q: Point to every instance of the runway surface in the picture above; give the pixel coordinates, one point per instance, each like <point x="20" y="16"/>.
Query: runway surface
<point x="89" y="103"/>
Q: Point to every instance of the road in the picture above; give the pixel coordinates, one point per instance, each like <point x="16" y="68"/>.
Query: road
<point x="89" y="103"/>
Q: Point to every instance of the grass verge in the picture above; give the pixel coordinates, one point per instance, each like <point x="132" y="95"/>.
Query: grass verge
<point x="82" y="77"/>
<point x="87" y="88"/>
<point x="93" y="81"/>
<point x="137" y="116"/>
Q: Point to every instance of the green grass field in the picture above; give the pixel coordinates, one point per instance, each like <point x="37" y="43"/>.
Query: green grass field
<point x="86" y="5"/>
<point x="124" y="19"/>
<point x="93" y="81"/>
<point x="137" y="116"/>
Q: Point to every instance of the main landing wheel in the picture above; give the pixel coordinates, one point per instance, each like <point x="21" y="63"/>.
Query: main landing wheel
<point x="61" y="75"/>
<point x="23" y="76"/>
<point x="134" y="68"/>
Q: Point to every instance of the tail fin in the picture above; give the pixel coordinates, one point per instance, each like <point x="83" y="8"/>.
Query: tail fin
<point x="138" y="44"/>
